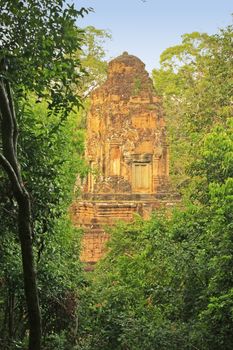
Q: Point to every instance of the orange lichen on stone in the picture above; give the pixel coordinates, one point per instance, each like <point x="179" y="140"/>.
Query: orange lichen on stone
<point x="127" y="150"/>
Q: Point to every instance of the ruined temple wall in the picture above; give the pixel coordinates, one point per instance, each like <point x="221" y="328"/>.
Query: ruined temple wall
<point x="127" y="151"/>
<point x="96" y="217"/>
<point x="126" y="126"/>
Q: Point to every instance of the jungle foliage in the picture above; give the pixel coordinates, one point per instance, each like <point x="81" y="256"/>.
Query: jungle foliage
<point x="167" y="283"/>
<point x="42" y="83"/>
<point x="195" y="81"/>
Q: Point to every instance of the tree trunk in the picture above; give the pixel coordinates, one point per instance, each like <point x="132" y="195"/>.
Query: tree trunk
<point x="11" y="299"/>
<point x="9" y="162"/>
<point x="25" y="235"/>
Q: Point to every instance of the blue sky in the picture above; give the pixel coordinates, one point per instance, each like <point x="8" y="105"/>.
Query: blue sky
<point x="147" y="28"/>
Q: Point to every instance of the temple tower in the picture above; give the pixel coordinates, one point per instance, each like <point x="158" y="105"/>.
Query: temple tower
<point x="127" y="151"/>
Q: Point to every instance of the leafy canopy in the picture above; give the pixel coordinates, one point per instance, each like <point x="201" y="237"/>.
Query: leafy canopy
<point x="38" y="41"/>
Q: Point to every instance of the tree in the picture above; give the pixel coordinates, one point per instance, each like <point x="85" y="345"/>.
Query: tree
<point x="93" y="58"/>
<point x="38" y="39"/>
<point x="50" y="163"/>
<point x="190" y="80"/>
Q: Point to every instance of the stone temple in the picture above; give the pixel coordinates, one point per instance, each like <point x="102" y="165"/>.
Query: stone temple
<point x="127" y="152"/>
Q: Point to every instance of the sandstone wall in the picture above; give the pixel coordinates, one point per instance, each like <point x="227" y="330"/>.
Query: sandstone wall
<point x="127" y="152"/>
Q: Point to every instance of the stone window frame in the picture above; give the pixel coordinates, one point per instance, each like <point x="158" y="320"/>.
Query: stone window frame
<point x="145" y="161"/>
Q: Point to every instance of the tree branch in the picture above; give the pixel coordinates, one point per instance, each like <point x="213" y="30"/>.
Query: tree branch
<point x="12" y="175"/>
<point x="13" y="115"/>
<point x="8" y="128"/>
